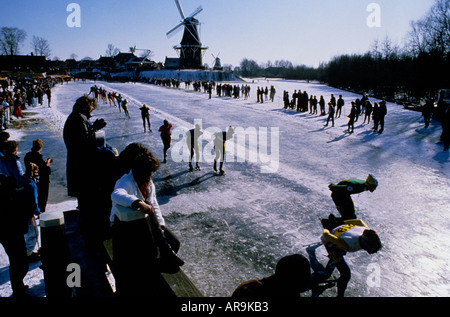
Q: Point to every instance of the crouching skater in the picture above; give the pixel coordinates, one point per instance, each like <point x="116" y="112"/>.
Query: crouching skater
<point x="351" y="236"/>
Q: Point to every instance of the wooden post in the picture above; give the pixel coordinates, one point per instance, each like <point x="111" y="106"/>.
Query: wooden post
<point x="54" y="254"/>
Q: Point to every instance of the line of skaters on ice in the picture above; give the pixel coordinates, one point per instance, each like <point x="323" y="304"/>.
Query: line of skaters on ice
<point x="301" y="102"/>
<point x="192" y="135"/>
<point x="221" y="89"/>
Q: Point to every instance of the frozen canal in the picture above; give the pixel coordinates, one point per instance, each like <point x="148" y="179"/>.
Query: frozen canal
<point x="236" y="227"/>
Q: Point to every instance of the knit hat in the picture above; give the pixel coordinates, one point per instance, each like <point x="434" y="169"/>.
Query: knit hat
<point x="371" y="182"/>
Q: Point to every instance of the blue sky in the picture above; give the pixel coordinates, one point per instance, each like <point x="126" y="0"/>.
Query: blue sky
<point x="301" y="31"/>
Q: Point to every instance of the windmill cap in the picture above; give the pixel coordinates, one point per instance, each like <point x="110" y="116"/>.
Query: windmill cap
<point x="371" y="182"/>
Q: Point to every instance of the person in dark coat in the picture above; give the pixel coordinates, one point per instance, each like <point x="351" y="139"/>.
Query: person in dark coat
<point x="367" y="112"/>
<point x="322" y="106"/>
<point x="427" y="112"/>
<point x="381" y="114"/>
<point x="330" y="114"/>
<point x="145" y="114"/>
<point x="339" y="105"/>
<point x="166" y="137"/>
<point x="14" y="219"/>
<point x="352" y="116"/>
<point x="292" y="277"/>
<point x="89" y="175"/>
<point x="43" y="183"/>
<point x="375" y="116"/>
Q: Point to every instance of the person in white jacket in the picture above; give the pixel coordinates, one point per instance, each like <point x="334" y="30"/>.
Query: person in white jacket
<point x="129" y="203"/>
<point x="137" y="269"/>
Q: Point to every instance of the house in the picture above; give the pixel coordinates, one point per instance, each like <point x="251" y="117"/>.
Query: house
<point x="172" y="63"/>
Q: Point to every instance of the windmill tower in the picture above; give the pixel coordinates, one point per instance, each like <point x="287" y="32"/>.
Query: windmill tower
<point x="217" y="63"/>
<point x="190" y="49"/>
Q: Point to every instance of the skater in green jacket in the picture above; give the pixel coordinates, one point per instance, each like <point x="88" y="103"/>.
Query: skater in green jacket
<point x="342" y="191"/>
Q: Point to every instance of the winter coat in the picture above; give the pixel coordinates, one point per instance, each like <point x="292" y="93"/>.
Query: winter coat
<point x="349" y="186"/>
<point x="44" y="170"/>
<point x="80" y="140"/>
<point x="382" y="111"/>
<point x="125" y="193"/>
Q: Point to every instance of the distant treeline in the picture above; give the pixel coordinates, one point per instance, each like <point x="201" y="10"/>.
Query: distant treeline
<point x="406" y="74"/>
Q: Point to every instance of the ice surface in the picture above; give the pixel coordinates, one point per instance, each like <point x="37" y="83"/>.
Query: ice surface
<point x="236" y="227"/>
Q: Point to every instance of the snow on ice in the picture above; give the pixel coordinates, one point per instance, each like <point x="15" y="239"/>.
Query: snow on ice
<point x="235" y="228"/>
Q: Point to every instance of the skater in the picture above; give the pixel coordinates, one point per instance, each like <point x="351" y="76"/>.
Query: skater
<point x="112" y="99"/>
<point x="352" y="116"/>
<point x="340" y="104"/>
<point x="145" y="114"/>
<point x="125" y="108"/>
<point x="330" y="114"/>
<point x="367" y="112"/>
<point x="166" y="137"/>
<point x="18" y="105"/>
<point x="382" y="112"/>
<point x="119" y="102"/>
<point x="351" y="236"/>
<point x="314" y="105"/>
<point x="342" y="191"/>
<point x="375" y="116"/>
<point x="219" y="147"/>
<point x="48" y="92"/>
<point x="322" y="106"/>
<point x="292" y="277"/>
<point x="427" y="112"/>
<point x="192" y="142"/>
<point x="272" y="93"/>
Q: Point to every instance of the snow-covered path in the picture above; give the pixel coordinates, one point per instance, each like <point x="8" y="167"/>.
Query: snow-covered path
<point x="236" y="227"/>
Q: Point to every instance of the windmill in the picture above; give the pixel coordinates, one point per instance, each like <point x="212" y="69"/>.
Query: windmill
<point x="217" y="63"/>
<point x="190" y="49"/>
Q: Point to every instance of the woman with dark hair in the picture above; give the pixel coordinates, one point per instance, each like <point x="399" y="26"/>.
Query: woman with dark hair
<point x="134" y="207"/>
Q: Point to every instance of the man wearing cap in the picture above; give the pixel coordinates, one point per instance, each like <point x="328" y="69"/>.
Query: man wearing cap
<point x="341" y="194"/>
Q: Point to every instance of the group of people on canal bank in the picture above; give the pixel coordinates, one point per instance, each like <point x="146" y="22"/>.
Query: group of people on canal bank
<point x="302" y="102"/>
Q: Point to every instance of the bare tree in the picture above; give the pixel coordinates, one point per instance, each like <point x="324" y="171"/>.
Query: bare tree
<point x="10" y="39"/>
<point x="432" y="33"/>
<point x="112" y="51"/>
<point x="41" y="47"/>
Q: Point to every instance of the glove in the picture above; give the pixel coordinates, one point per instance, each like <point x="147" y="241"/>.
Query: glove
<point x="99" y="124"/>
